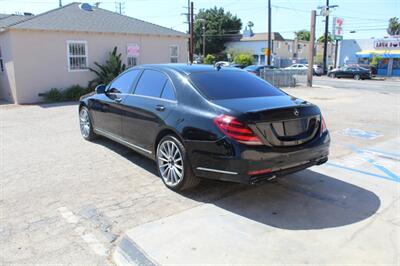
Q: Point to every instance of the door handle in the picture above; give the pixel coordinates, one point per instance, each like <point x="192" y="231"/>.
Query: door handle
<point x="118" y="100"/>
<point x="160" y="107"/>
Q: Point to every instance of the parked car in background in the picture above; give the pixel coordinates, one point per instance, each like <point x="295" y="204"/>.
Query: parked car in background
<point x="247" y="133"/>
<point x="317" y="70"/>
<point x="372" y="69"/>
<point x="350" y="72"/>
<point x="297" y="67"/>
<point x="237" y="65"/>
<point x="256" y="69"/>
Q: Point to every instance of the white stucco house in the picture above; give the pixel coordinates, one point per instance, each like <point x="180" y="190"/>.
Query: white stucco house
<point x="54" y="49"/>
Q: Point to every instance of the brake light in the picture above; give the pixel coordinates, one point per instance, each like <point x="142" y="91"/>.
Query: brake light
<point x="323" y="125"/>
<point x="259" y="172"/>
<point x="236" y="130"/>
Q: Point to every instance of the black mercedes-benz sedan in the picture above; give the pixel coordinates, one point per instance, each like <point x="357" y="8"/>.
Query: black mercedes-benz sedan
<point x="353" y="72"/>
<point x="197" y="121"/>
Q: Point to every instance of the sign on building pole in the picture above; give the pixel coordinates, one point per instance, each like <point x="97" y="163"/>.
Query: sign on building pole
<point x="337" y="28"/>
<point x="337" y="35"/>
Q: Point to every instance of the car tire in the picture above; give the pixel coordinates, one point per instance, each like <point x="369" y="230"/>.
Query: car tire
<point x="332" y="75"/>
<point x="173" y="165"/>
<point x="85" y="124"/>
<point x="357" y="77"/>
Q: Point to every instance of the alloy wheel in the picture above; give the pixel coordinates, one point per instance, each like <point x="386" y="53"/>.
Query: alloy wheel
<point x="170" y="163"/>
<point x="84" y="122"/>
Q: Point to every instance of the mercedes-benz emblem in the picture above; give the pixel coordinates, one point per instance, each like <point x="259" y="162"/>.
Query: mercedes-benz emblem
<point x="296" y="112"/>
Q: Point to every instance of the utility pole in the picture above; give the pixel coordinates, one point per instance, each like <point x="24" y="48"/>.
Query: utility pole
<point x="326" y="37"/>
<point x="191" y="33"/>
<point x="204" y="40"/>
<point x="269" y="34"/>
<point x="189" y="30"/>
<point x="60" y="3"/>
<point x="311" y="49"/>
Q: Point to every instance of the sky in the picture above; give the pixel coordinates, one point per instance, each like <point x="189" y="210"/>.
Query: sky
<point x="368" y="18"/>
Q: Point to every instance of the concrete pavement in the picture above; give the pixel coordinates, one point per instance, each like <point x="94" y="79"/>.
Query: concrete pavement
<point x="67" y="201"/>
<point x="325" y="215"/>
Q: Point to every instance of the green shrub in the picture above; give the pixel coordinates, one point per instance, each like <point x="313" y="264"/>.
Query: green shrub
<point x="210" y="59"/>
<point x="244" y="59"/>
<point x="53" y="95"/>
<point x="72" y="93"/>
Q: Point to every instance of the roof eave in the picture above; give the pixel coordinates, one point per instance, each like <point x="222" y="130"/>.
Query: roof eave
<point x="95" y="32"/>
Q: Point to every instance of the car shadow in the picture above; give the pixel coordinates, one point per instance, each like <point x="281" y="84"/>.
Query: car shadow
<point x="302" y="201"/>
<point x="58" y="104"/>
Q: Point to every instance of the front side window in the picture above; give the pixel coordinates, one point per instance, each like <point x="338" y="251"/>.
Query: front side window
<point x="174" y="53"/>
<point x="221" y="85"/>
<point x="123" y="84"/>
<point x="151" y="83"/>
<point x="77" y="55"/>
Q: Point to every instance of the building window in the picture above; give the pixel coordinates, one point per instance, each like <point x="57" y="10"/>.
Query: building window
<point x="77" y="55"/>
<point x="131" y="61"/>
<point x="299" y="46"/>
<point x="1" y="62"/>
<point x="173" y="53"/>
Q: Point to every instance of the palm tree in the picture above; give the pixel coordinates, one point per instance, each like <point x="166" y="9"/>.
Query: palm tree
<point x="394" y="26"/>
<point x="110" y="70"/>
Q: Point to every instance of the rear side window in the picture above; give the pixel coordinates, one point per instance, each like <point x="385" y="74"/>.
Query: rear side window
<point x="123" y="84"/>
<point x="151" y="83"/>
<point x="221" y="85"/>
<point x="168" y="91"/>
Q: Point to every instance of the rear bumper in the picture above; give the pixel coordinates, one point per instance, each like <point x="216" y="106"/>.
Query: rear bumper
<point x="231" y="161"/>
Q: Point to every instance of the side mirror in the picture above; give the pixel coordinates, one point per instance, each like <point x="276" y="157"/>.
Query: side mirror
<point x="100" y="89"/>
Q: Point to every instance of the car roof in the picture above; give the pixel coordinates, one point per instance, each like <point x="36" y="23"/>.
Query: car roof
<point x="188" y="69"/>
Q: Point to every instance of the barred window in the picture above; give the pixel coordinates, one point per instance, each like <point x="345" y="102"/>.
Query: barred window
<point x="77" y="55"/>
<point x="131" y="61"/>
<point x="1" y="62"/>
<point x="173" y="53"/>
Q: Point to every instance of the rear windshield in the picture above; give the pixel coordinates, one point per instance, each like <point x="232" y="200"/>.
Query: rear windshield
<point x="232" y="84"/>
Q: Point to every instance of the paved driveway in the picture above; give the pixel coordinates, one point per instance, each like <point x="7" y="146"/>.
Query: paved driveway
<point x="69" y="201"/>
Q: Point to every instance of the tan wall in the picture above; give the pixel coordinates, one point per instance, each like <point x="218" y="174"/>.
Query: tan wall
<point x="7" y="77"/>
<point x="40" y="57"/>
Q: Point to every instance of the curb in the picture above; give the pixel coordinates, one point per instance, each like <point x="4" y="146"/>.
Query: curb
<point x="128" y="253"/>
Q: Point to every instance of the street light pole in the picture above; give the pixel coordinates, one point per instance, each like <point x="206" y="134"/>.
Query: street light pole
<point x="203" y="26"/>
<point x="269" y="34"/>
<point x="204" y="39"/>
<point x="326" y="37"/>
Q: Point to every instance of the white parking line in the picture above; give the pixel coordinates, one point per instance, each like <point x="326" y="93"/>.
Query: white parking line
<point x="89" y="238"/>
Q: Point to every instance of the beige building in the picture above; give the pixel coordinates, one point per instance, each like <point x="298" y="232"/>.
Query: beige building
<point x="284" y="51"/>
<point x="55" y="49"/>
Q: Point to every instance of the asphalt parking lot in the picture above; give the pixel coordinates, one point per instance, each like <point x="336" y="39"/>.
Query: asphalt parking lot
<point x="68" y="201"/>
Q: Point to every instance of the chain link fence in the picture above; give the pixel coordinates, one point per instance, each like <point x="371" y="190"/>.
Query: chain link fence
<point x="284" y="77"/>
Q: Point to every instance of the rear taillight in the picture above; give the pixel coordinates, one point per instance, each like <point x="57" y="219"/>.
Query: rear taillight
<point x="323" y="125"/>
<point x="236" y="130"/>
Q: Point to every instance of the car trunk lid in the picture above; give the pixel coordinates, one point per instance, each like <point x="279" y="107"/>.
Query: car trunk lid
<point x="278" y="121"/>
